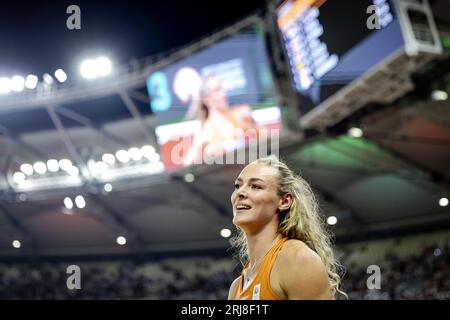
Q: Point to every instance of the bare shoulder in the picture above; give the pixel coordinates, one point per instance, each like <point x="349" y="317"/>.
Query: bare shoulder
<point x="233" y="288"/>
<point x="297" y="251"/>
<point x="303" y="275"/>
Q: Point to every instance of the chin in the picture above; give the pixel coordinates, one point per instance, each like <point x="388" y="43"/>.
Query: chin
<point x="240" y="221"/>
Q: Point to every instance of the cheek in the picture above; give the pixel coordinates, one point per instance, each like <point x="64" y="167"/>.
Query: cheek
<point x="233" y="196"/>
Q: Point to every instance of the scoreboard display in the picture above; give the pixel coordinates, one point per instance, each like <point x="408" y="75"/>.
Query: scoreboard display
<point x="331" y="43"/>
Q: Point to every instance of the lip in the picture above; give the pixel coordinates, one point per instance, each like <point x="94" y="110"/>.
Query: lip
<point x="241" y="210"/>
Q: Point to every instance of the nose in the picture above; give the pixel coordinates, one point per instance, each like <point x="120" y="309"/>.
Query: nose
<point x="241" y="193"/>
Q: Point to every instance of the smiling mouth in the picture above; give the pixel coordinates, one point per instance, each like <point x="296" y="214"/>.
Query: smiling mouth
<point x="242" y="207"/>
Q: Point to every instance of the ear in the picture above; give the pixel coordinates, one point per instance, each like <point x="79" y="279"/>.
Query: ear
<point x="285" y="202"/>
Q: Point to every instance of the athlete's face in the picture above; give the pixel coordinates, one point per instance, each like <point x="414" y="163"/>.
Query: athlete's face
<point x="216" y="97"/>
<point x="255" y="198"/>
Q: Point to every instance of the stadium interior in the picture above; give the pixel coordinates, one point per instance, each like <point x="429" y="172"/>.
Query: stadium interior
<point x="85" y="178"/>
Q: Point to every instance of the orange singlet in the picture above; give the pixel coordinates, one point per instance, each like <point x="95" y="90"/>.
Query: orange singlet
<point x="259" y="288"/>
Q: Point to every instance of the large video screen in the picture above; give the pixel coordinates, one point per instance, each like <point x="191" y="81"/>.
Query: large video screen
<point x="330" y="43"/>
<point x="214" y="101"/>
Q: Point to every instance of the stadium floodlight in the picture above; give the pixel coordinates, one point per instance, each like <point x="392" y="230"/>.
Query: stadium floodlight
<point x="31" y="81"/>
<point x="48" y="79"/>
<point x="123" y="156"/>
<point x="27" y="169"/>
<point x="439" y="95"/>
<point x="99" y="67"/>
<point x="189" y="177"/>
<point x="135" y="154"/>
<point x="53" y="165"/>
<point x="148" y="151"/>
<point x="65" y="164"/>
<point x="16" y="244"/>
<point x="68" y="203"/>
<point x="109" y="158"/>
<point x="73" y="171"/>
<point x="5" y="85"/>
<point x="225" y="233"/>
<point x="355" y="132"/>
<point x="155" y="157"/>
<point x="19" y="177"/>
<point x="61" y="75"/>
<point x="80" y="202"/>
<point x="40" y="167"/>
<point x="121" y="241"/>
<point x="332" y="220"/>
<point x="443" y="202"/>
<point x="103" y="66"/>
<point x="17" y="83"/>
<point x="108" y="187"/>
<point x="88" y="69"/>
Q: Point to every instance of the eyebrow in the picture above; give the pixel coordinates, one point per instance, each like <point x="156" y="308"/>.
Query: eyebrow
<point x="251" y="180"/>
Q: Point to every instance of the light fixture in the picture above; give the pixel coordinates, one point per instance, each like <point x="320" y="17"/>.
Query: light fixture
<point x="148" y="151"/>
<point x="443" y="202"/>
<point x="48" y="79"/>
<point x="68" y="203"/>
<point x="107" y="187"/>
<point x="87" y="69"/>
<point x="103" y="66"/>
<point x="80" y="202"/>
<point x="99" y="67"/>
<point x="225" y="233"/>
<point x="40" y="167"/>
<point x="31" y="81"/>
<point x="19" y="177"/>
<point x="439" y="95"/>
<point x="5" y="85"/>
<point x="61" y="75"/>
<point x="73" y="171"/>
<point x="355" y="132"/>
<point x="109" y="158"/>
<point x="65" y="164"/>
<point x="123" y="156"/>
<point x="121" y="241"/>
<point x="135" y="154"/>
<point x="16" y="244"/>
<point x="17" y="83"/>
<point x="332" y="220"/>
<point x="27" y="169"/>
<point x="189" y="177"/>
<point x="53" y="165"/>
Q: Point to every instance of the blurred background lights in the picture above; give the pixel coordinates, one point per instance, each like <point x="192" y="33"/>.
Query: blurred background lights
<point x="53" y="165"/>
<point x="40" y="167"/>
<point x="225" y="233"/>
<point x="16" y="244"/>
<point x="27" y="169"/>
<point x="332" y="220"/>
<point x="121" y="240"/>
<point x="17" y="83"/>
<point x="5" y="85"/>
<point x="80" y="202"/>
<point x="68" y="203"/>
<point x="60" y="75"/>
<point x="31" y="81"/>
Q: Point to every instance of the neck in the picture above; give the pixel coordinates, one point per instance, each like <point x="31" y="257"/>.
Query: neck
<point x="259" y="244"/>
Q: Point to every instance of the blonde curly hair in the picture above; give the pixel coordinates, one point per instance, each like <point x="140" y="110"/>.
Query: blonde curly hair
<point x="301" y="221"/>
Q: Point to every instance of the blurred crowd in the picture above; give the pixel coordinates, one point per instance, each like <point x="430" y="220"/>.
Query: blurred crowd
<point x="422" y="275"/>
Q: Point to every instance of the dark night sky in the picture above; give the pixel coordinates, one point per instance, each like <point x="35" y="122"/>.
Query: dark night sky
<point x="34" y="37"/>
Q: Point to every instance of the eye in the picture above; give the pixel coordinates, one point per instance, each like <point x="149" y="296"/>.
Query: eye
<point x="254" y="186"/>
<point x="236" y="186"/>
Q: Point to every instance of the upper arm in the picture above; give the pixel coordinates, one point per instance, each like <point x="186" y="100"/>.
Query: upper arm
<point x="233" y="288"/>
<point x="304" y="276"/>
